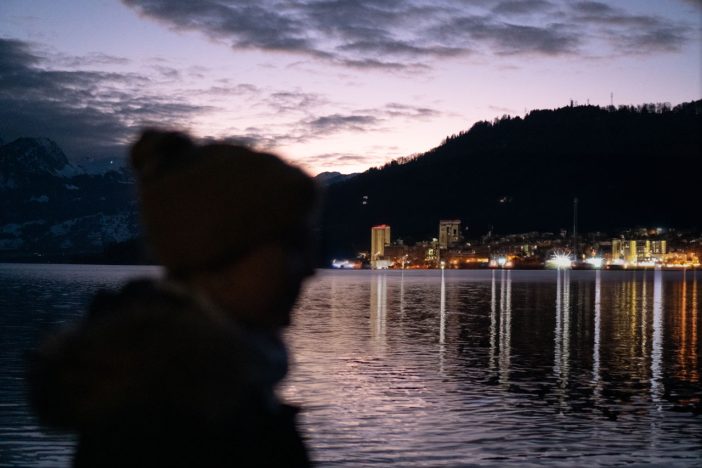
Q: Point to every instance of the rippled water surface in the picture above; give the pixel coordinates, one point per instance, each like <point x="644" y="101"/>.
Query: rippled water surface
<point x="419" y="369"/>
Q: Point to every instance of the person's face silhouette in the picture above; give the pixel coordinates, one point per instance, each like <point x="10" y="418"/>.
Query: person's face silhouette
<point x="261" y="288"/>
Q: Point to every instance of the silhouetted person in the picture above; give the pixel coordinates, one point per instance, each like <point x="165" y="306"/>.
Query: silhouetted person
<point x="181" y="371"/>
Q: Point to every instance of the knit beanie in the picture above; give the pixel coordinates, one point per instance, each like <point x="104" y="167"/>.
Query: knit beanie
<point x="204" y="206"/>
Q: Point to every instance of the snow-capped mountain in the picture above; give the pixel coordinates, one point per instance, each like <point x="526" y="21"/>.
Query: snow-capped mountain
<point x="50" y="207"/>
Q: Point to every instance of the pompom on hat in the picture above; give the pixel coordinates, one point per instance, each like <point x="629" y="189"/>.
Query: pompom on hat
<point x="204" y="206"/>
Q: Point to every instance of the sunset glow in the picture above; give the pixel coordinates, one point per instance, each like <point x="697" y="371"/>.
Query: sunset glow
<point x="331" y="85"/>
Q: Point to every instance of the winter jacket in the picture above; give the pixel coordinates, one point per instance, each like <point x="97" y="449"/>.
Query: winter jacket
<point x="156" y="376"/>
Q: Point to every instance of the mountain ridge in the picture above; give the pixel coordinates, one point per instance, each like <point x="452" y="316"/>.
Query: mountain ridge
<point x="50" y="208"/>
<point x="519" y="174"/>
<point x="628" y="166"/>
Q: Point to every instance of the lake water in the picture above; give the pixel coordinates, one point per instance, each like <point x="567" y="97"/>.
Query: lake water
<point x="423" y="369"/>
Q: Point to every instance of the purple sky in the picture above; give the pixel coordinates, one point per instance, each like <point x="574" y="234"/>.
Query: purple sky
<point x="329" y="84"/>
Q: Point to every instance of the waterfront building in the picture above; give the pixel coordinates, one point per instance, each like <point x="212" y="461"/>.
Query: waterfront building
<point x="380" y="237"/>
<point x="634" y="252"/>
<point x="449" y="233"/>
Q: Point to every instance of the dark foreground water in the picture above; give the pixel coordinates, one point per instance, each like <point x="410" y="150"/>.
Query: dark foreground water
<point x="480" y="367"/>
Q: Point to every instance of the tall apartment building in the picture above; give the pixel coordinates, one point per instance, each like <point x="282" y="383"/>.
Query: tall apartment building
<point x="449" y="233"/>
<point x="380" y="237"/>
<point x="636" y="251"/>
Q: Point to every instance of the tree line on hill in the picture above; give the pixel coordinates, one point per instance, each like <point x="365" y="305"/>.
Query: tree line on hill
<point x="628" y="166"/>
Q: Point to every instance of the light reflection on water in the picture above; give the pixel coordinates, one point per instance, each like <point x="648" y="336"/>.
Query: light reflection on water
<point x="440" y="368"/>
<point x="499" y="367"/>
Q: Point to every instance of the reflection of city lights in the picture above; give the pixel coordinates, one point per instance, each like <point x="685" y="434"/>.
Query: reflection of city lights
<point x="595" y="262"/>
<point x="443" y="264"/>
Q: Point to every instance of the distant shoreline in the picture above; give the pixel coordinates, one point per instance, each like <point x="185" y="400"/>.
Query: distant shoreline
<point x="154" y="265"/>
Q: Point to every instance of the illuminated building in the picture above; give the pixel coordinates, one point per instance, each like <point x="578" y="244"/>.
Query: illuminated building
<point x="616" y="249"/>
<point x="659" y="247"/>
<point x="633" y="252"/>
<point x="449" y="233"/>
<point x="380" y="237"/>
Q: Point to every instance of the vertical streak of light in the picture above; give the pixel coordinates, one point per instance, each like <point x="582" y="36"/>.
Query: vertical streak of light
<point x="508" y="344"/>
<point x="384" y="309"/>
<point x="442" y="310"/>
<point x="566" y="326"/>
<point x="557" y="333"/>
<point x="693" y="334"/>
<point x="378" y="306"/>
<point x="657" y="340"/>
<point x="632" y="314"/>
<point x="442" y="323"/>
<point x="596" y="345"/>
<point x="493" y="324"/>
<point x="501" y="334"/>
<point x="644" y="318"/>
<point x="402" y="295"/>
<point x="505" y="326"/>
<point x="682" y="350"/>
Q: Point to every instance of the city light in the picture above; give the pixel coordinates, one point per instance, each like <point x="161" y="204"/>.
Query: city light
<point x="560" y="261"/>
<point x="346" y="264"/>
<point x="595" y="262"/>
<point x="630" y="249"/>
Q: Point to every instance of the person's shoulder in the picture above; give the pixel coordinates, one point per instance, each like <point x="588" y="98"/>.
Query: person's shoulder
<point x="162" y="318"/>
<point x="144" y="297"/>
<point x="149" y="343"/>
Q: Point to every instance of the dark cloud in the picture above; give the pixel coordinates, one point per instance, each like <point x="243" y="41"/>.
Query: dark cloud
<point x="374" y="64"/>
<point x="662" y="38"/>
<point x="508" y="38"/>
<point x="631" y="33"/>
<point x="335" y="160"/>
<point x="395" y="109"/>
<point x="364" y="119"/>
<point x="90" y="114"/>
<point x="337" y="122"/>
<point x="408" y="35"/>
<point x="168" y="73"/>
<point x="316" y="126"/>
<point x="89" y="60"/>
<point x="246" y="23"/>
<point x="294" y="101"/>
<point x="593" y="8"/>
<point x="400" y="48"/>
<point x="697" y="3"/>
<point x="224" y="88"/>
<point x="522" y="7"/>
